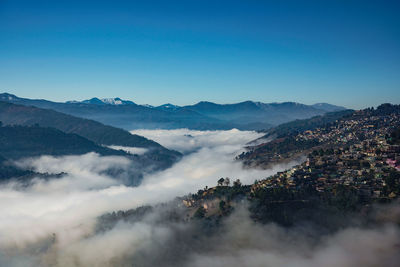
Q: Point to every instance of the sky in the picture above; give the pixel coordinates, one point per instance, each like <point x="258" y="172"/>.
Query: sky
<point x="155" y="52"/>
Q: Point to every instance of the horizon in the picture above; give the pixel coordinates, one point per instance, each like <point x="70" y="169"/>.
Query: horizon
<point x="343" y="53"/>
<point x="187" y="104"/>
<point x="190" y="104"/>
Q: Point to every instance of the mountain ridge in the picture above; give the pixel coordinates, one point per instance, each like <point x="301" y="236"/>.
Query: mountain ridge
<point x="204" y="115"/>
<point x="157" y="156"/>
<point x="119" y="101"/>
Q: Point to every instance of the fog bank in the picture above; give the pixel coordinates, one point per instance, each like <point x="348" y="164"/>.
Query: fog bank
<point x="68" y="206"/>
<point x="52" y="222"/>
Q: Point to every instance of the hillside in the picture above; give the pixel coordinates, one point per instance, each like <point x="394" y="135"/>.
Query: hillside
<point x="356" y="185"/>
<point x="332" y="185"/>
<point x="157" y="155"/>
<point x="333" y="131"/>
<point x="296" y="126"/>
<point x="17" y="142"/>
<point x="21" y="141"/>
<point x="8" y="171"/>
<point x="204" y="115"/>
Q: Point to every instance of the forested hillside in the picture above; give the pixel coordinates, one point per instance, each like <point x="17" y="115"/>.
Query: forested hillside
<point x="160" y="157"/>
<point x="23" y="141"/>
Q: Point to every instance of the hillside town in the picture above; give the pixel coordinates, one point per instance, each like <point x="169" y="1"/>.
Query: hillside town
<point x="361" y="152"/>
<point x="358" y="153"/>
<point x="367" y="125"/>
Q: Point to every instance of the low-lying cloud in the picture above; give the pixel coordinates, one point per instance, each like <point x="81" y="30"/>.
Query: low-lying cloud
<point x="51" y="222"/>
<point x="87" y="191"/>
<point x="130" y="150"/>
<point x="246" y="243"/>
<point x="211" y="157"/>
<point x="238" y="241"/>
<point x="186" y="141"/>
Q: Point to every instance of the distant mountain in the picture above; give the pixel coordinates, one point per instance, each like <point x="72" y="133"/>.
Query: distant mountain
<point x="328" y="107"/>
<point x="250" y="112"/>
<point x="128" y="117"/>
<point x="168" y="107"/>
<point x="103" y="101"/>
<point x="157" y="156"/>
<point x="204" y="115"/>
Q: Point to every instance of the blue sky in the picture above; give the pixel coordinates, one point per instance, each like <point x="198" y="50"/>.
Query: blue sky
<point x="341" y="52"/>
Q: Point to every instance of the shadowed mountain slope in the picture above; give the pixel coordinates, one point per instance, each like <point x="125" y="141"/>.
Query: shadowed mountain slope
<point x="157" y="155"/>
<point x="22" y="141"/>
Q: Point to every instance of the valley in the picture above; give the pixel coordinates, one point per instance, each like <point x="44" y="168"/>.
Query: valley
<point x="336" y="172"/>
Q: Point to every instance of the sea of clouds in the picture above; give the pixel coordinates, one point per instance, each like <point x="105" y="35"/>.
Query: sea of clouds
<point x="51" y="222"/>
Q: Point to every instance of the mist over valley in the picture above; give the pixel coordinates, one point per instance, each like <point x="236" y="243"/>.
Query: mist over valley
<point x="199" y="133"/>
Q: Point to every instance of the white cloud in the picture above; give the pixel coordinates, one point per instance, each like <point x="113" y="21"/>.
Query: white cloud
<point x="68" y="207"/>
<point x="76" y="199"/>
<point x="185" y="140"/>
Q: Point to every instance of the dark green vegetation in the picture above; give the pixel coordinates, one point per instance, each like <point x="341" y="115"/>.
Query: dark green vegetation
<point x="240" y="216"/>
<point x="204" y="115"/>
<point x="8" y="171"/>
<point x="394" y="137"/>
<point x="285" y="206"/>
<point x="109" y="220"/>
<point x="247" y="227"/>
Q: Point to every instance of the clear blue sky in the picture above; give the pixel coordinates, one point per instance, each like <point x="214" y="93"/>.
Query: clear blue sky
<point x="341" y="52"/>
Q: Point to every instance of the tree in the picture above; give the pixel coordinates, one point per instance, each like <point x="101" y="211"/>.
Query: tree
<point x="200" y="213"/>
<point x="222" y="205"/>
<point x="237" y="183"/>
<point x="221" y="181"/>
<point x="227" y="181"/>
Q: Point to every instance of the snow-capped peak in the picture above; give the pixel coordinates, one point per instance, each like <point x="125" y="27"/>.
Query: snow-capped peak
<point x="169" y="106"/>
<point x="112" y="101"/>
<point x="104" y="101"/>
<point x="147" y="106"/>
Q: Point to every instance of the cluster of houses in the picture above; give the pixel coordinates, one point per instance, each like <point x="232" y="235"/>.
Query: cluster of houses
<point x="354" y="152"/>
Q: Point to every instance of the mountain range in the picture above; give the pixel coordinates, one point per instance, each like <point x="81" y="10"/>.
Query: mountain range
<point x="28" y="131"/>
<point x="18" y="142"/>
<point x="248" y="115"/>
